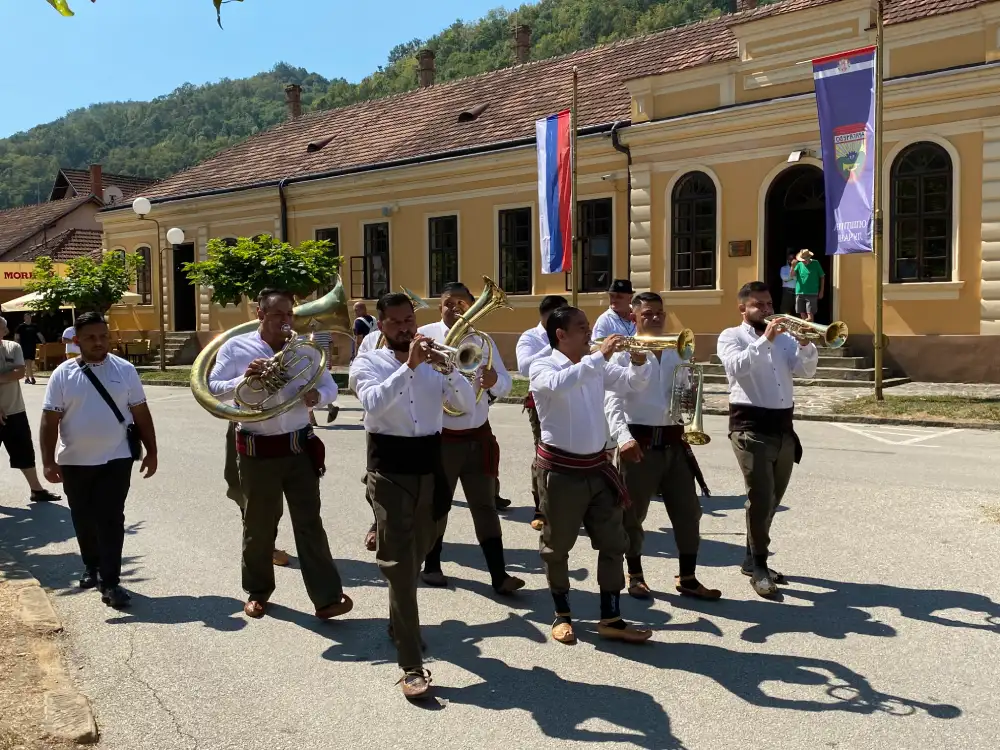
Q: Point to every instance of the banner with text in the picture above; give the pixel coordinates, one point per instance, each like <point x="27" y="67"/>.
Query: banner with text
<point x="845" y="100"/>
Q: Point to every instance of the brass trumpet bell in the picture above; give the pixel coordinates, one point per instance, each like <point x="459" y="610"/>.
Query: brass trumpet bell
<point x="832" y="336"/>
<point x="683" y="342"/>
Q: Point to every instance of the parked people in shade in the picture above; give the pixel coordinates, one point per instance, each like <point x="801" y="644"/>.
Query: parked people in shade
<point x="29" y="336"/>
<point x="95" y="424"/>
<point x="15" y="432"/>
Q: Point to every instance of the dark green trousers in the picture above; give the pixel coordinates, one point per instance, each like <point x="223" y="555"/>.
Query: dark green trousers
<point x="766" y="462"/>
<point x="463" y="463"/>
<point x="567" y="501"/>
<point x="264" y="482"/>
<point x="536" y="435"/>
<point x="406" y="531"/>
<point x="665" y="472"/>
<point x="232" y="470"/>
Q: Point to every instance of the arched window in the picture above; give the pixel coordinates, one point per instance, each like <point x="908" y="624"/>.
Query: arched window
<point x="692" y="232"/>
<point x="230" y="241"/>
<point x="144" y="276"/>
<point x="920" y="240"/>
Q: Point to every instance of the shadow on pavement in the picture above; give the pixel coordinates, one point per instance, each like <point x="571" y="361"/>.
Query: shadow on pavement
<point x="222" y="613"/>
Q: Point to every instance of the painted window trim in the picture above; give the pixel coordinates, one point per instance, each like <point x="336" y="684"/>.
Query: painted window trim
<point x="426" y="229"/>
<point x="668" y="235"/>
<point x="692" y="297"/>
<point x="149" y="266"/>
<point x="923" y="290"/>
<point x="533" y="221"/>
<point x="614" y="243"/>
<point x="387" y="220"/>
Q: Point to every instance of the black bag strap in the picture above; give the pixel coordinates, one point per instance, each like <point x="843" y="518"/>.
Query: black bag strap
<point x="103" y="391"/>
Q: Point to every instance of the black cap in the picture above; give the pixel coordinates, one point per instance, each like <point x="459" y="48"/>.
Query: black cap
<point x="620" y="286"/>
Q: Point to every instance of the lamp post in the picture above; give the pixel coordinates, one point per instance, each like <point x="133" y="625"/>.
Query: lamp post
<point x="175" y="236"/>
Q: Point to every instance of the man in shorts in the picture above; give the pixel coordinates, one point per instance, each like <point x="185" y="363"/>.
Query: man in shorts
<point x="29" y="336"/>
<point x="810" y="285"/>
<point x="15" y="432"/>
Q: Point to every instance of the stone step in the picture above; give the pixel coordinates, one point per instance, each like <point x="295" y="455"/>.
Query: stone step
<point x="822" y="373"/>
<point x="824" y="361"/>
<point x="887" y="382"/>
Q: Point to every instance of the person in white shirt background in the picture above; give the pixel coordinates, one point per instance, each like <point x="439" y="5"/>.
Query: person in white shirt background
<point x="280" y="456"/>
<point x="618" y="317"/>
<point x="760" y="360"/>
<point x="402" y="396"/>
<point x="15" y="430"/>
<point x="577" y="483"/>
<point x="68" y="337"/>
<point x="470" y="452"/>
<point x="652" y="457"/>
<point x="85" y="445"/>
<point x="532" y="344"/>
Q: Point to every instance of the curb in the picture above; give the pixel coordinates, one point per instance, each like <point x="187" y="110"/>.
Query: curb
<point x="68" y="714"/>
<point x="804" y="417"/>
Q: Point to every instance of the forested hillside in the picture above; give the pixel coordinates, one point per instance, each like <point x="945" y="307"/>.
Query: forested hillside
<point x="159" y="137"/>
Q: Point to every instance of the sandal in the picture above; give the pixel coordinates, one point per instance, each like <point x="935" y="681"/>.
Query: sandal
<point x="255" y="609"/>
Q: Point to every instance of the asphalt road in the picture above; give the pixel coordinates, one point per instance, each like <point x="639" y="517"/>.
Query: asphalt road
<point x="888" y="636"/>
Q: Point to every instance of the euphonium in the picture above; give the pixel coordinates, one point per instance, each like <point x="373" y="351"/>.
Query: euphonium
<point x="328" y="313"/>
<point x="683" y="342"/>
<point x="831" y="336"/>
<point x="686" y="399"/>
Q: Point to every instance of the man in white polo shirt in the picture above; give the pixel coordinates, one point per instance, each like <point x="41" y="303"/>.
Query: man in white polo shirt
<point x="72" y="350"/>
<point x="95" y="411"/>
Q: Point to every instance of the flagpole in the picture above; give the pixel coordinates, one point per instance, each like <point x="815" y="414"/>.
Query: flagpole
<point x="575" y="271"/>
<point x="877" y="246"/>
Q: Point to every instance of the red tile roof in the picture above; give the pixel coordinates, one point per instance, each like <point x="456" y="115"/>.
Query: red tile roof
<point x="424" y="123"/>
<point x="19" y="224"/>
<point x="68" y="244"/>
<point x="79" y="179"/>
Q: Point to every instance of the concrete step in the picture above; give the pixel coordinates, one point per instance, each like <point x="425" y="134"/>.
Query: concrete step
<point x="824" y="361"/>
<point x="887" y="382"/>
<point x="822" y="373"/>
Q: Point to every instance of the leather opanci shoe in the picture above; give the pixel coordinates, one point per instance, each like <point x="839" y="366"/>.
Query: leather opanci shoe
<point x="638" y="588"/>
<point x="434" y="578"/>
<point x="415" y="683"/>
<point x="255" y="609"/>
<point x="345" y="605"/>
<point x="562" y="632"/>
<point x="698" y="591"/>
<point x="280" y="557"/>
<point x="509" y="586"/>
<point x="629" y="633"/>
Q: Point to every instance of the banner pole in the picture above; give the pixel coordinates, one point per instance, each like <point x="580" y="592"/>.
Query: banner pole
<point x="575" y="271"/>
<point x="877" y="245"/>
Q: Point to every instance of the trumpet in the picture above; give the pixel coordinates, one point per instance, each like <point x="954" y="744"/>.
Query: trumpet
<point x="467" y="358"/>
<point x="683" y="342"/>
<point x="831" y="336"/>
<point x="687" y="402"/>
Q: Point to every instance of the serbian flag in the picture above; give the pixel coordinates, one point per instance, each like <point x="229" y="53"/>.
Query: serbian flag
<point x="845" y="101"/>
<point x="554" y="183"/>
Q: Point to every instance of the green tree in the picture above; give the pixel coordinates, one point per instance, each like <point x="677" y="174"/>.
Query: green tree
<point x="88" y="285"/>
<point x="251" y="264"/>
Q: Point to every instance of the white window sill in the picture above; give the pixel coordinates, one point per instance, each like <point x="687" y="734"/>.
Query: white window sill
<point x="534" y="300"/>
<point x="924" y="290"/>
<point x="693" y="297"/>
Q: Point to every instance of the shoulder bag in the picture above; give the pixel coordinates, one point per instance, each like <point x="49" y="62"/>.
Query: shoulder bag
<point x="131" y="431"/>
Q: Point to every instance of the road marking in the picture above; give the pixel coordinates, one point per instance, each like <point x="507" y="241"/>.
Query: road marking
<point x="915" y="437"/>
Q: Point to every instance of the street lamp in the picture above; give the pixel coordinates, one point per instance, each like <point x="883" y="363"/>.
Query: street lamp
<point x="175" y="236"/>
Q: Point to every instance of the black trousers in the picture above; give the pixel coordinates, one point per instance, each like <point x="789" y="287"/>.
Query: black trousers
<point x="96" y="496"/>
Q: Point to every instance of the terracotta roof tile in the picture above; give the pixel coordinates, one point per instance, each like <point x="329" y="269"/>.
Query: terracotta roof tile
<point x="129" y="184"/>
<point x="424" y="122"/>
<point x="19" y="224"/>
<point x="68" y="244"/>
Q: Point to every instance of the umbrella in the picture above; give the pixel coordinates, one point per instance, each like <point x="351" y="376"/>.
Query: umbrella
<point x="23" y="304"/>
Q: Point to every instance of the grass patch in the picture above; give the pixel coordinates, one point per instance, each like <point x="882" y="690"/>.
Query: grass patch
<point x="520" y="389"/>
<point x="172" y="377"/>
<point x="953" y="408"/>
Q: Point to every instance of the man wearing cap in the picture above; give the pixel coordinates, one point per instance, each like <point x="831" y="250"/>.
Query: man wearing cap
<point x="810" y="284"/>
<point x="618" y="317"/>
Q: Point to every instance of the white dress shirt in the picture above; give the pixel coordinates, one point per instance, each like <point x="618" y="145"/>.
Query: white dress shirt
<point x="760" y="372"/>
<point x="609" y="322"/>
<point x="89" y="432"/>
<point x="231" y="365"/>
<point x="477" y="416"/>
<point x="570" y="398"/>
<point x="68" y="335"/>
<point x="368" y="342"/>
<point x="532" y="344"/>
<point x="404" y="402"/>
<point x="649" y="406"/>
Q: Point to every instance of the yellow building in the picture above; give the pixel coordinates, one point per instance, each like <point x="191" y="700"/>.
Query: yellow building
<point x="699" y="167"/>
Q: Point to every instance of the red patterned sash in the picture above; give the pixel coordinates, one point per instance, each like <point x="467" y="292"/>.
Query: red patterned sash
<point x="550" y="458"/>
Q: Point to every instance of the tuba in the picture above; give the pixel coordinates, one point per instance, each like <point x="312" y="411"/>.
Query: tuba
<point x="687" y="402"/>
<point x="683" y="342"/>
<point x="831" y="336"/>
<point x="257" y="396"/>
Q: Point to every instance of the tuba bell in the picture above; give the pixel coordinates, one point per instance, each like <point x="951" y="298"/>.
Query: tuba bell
<point x="831" y="336"/>
<point x="257" y="397"/>
<point x="687" y="401"/>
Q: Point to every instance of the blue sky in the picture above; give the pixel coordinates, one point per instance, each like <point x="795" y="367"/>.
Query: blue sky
<point x="117" y="50"/>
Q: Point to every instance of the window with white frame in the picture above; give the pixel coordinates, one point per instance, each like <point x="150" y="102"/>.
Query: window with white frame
<point x="920" y="215"/>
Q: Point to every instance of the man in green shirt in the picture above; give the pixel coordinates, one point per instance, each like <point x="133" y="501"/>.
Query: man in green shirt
<point x="810" y="284"/>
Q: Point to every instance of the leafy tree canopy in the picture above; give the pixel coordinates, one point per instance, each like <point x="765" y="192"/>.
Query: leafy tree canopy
<point x="88" y="285"/>
<point x="251" y="264"/>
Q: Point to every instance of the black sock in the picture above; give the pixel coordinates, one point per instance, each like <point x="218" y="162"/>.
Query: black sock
<point x="760" y="561"/>
<point x="493" y="552"/>
<point x="610" y="605"/>
<point x="634" y="566"/>
<point x="688" y="563"/>
<point x="748" y="560"/>
<point x="432" y="564"/>
<point x="562" y="607"/>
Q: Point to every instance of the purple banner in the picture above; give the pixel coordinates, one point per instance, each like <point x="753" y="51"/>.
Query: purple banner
<point x="845" y="100"/>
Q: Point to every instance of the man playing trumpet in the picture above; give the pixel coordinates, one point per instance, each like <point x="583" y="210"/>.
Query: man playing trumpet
<point x="280" y="456"/>
<point x="402" y="396"/>
<point x="576" y="482"/>
<point x="470" y="452"/>
<point x="653" y="458"/>
<point x="761" y="359"/>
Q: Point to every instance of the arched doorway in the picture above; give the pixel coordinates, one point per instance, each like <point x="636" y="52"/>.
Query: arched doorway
<point x="795" y="218"/>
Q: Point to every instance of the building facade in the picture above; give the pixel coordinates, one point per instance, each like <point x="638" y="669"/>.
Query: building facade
<point x="699" y="168"/>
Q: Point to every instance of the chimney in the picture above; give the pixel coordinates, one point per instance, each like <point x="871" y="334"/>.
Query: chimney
<point x="522" y="43"/>
<point x="425" y="66"/>
<point x="293" y="98"/>
<point x="96" y="181"/>
<point x="746" y="4"/>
